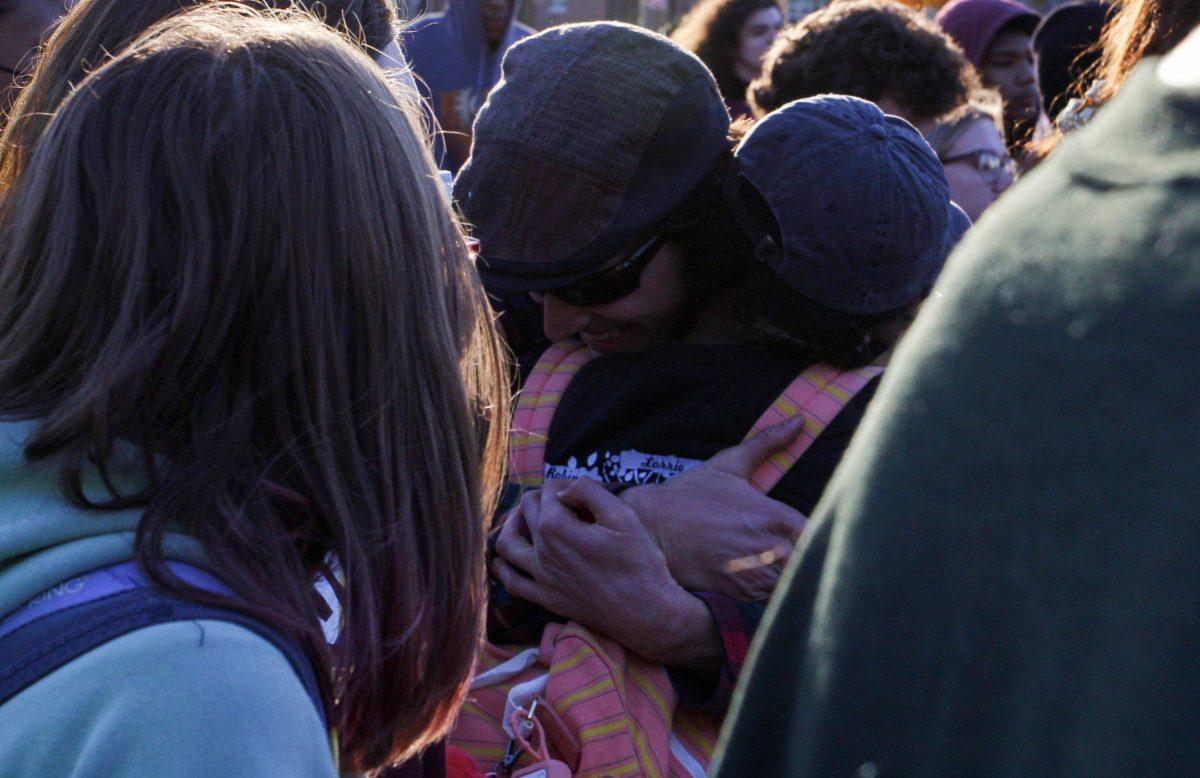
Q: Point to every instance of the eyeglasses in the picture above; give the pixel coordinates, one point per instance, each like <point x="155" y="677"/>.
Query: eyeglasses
<point x="989" y="164"/>
<point x="611" y="283"/>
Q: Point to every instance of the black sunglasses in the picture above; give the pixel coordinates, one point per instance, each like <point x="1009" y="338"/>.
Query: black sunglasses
<point x="611" y="283"/>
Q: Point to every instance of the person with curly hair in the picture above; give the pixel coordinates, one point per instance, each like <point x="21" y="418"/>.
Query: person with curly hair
<point x="874" y="49"/>
<point x="732" y="37"/>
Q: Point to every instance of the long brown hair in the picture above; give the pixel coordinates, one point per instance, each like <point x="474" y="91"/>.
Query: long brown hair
<point x="712" y="32"/>
<point x="1139" y="29"/>
<point x="95" y="30"/>
<point x="231" y="255"/>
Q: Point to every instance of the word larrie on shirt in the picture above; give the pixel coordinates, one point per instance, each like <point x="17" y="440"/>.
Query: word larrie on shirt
<point x="663" y="464"/>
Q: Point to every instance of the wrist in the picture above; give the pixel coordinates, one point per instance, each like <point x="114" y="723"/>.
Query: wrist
<point x="642" y="500"/>
<point x="687" y="636"/>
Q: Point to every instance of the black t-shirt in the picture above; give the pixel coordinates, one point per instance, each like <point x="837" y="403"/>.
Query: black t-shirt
<point x="642" y="418"/>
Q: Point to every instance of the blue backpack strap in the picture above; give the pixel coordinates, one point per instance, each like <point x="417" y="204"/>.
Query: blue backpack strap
<point x="60" y="626"/>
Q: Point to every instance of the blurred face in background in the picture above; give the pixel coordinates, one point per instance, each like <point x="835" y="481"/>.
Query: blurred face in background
<point x="978" y="167"/>
<point x="757" y="34"/>
<point x="23" y="26"/>
<point x="496" y="16"/>
<point x="1009" y="67"/>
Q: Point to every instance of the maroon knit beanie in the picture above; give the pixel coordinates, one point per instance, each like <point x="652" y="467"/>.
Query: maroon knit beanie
<point x="974" y="24"/>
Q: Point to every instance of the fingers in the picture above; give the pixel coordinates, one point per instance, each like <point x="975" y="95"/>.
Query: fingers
<point x="512" y="546"/>
<point x="530" y="510"/>
<point x="517" y="584"/>
<point x="514" y="519"/>
<point x="589" y="499"/>
<point x="786" y="521"/>
<point x="743" y="459"/>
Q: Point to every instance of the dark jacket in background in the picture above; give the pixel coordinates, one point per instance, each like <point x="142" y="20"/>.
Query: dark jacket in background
<point x="455" y="69"/>
<point x="1065" y="46"/>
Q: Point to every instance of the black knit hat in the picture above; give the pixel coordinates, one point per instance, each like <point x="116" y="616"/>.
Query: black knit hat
<point x="595" y="136"/>
<point x="1064" y="43"/>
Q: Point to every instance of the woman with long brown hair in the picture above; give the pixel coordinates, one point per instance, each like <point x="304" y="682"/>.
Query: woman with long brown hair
<point x="241" y="343"/>
<point x="731" y="37"/>
<point x="969" y="142"/>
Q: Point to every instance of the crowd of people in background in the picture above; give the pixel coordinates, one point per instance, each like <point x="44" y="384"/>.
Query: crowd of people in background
<point x="444" y="397"/>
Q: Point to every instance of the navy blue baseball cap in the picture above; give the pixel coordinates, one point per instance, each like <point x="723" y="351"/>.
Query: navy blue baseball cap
<point x="863" y="220"/>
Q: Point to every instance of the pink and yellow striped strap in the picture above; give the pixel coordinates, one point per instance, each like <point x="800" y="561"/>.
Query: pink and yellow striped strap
<point x="535" y="409"/>
<point x="820" y="393"/>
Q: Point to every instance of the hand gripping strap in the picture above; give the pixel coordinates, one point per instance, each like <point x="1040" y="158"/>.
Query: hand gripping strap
<point x="536" y="405"/>
<point x="819" y="393"/>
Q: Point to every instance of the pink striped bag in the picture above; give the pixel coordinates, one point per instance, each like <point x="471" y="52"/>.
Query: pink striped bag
<point x="535" y="409"/>
<point x="606" y="711"/>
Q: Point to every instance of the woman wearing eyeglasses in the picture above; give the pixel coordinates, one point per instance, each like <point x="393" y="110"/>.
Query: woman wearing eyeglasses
<point x="971" y="148"/>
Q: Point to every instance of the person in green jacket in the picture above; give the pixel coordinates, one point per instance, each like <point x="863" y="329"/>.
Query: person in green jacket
<point x="240" y="329"/>
<point x="1001" y="578"/>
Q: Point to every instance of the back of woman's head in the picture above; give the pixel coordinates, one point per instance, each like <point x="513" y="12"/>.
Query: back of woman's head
<point x="230" y="254"/>
<point x="95" y="30"/>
